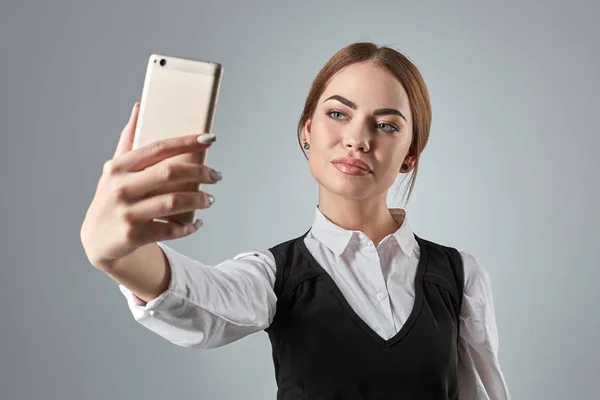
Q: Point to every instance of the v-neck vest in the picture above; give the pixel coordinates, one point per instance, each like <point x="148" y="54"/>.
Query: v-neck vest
<point x="323" y="350"/>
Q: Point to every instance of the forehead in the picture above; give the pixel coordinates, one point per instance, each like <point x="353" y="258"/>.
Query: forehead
<point x="368" y="85"/>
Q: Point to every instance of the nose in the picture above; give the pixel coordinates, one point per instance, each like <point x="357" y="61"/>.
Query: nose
<point x="357" y="137"/>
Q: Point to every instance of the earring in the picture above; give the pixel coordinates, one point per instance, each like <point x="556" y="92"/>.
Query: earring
<point x="405" y="166"/>
<point x="306" y="146"/>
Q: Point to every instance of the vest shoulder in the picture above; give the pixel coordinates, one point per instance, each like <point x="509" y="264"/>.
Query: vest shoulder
<point x="283" y="247"/>
<point x="437" y="245"/>
<point x="439" y="251"/>
<point x="445" y="265"/>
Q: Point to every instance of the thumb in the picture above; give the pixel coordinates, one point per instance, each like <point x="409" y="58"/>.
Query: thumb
<point x="126" y="140"/>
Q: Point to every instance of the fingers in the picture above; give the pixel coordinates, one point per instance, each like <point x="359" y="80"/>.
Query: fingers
<point x="169" y="204"/>
<point x="155" y="231"/>
<point x="167" y="175"/>
<point x="160" y="150"/>
<point x="126" y="140"/>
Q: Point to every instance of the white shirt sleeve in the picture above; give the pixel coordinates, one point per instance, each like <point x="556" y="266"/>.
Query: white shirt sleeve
<point x="479" y="373"/>
<point x="210" y="306"/>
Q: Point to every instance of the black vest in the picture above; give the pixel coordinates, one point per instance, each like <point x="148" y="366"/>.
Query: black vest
<point x="322" y="350"/>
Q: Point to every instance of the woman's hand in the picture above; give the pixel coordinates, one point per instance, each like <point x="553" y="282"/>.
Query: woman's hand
<point x="137" y="186"/>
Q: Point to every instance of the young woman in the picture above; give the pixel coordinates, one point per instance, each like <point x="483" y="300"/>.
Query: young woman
<point x="358" y="307"/>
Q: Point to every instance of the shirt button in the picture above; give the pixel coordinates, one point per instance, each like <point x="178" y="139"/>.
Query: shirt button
<point x="381" y="296"/>
<point x="152" y="313"/>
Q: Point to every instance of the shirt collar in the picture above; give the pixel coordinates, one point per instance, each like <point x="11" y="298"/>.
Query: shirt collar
<point x="337" y="239"/>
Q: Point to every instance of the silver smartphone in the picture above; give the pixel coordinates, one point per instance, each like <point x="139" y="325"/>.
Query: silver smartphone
<point x="179" y="98"/>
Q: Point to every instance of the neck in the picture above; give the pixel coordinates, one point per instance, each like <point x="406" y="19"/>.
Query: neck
<point x="369" y="216"/>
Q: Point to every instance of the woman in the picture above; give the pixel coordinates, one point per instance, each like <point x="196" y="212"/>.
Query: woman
<point x="357" y="307"/>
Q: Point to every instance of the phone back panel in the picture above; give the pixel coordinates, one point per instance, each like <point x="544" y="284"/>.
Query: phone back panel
<point x="179" y="98"/>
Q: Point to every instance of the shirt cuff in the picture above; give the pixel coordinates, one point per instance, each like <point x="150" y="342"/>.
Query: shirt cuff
<point x="139" y="307"/>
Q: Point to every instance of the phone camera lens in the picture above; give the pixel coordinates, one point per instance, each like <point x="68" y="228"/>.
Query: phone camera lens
<point x="163" y="62"/>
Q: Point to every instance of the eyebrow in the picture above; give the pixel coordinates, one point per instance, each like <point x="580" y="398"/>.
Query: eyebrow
<point x="381" y="111"/>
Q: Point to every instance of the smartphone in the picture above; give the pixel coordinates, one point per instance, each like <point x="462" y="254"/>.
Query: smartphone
<point x="179" y="98"/>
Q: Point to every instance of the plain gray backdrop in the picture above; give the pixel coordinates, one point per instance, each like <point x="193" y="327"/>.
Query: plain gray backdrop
<point x="510" y="175"/>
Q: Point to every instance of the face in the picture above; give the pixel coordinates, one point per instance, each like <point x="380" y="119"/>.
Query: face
<point x="363" y="114"/>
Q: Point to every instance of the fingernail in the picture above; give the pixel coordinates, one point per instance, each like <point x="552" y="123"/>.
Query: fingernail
<point x="206" y="138"/>
<point x="211" y="199"/>
<point x="215" y="176"/>
<point x="134" y="106"/>
<point x="198" y="223"/>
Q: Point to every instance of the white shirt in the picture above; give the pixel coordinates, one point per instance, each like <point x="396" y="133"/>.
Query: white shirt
<point x="210" y="306"/>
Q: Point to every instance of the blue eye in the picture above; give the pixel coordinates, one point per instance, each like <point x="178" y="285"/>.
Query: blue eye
<point x="387" y="127"/>
<point x="336" y="115"/>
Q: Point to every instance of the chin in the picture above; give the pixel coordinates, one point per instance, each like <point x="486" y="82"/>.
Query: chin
<point x="348" y="186"/>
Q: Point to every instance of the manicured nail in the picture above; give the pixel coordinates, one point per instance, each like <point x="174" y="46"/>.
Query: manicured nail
<point x="206" y="138"/>
<point x="198" y="223"/>
<point x="211" y="199"/>
<point x="215" y="176"/>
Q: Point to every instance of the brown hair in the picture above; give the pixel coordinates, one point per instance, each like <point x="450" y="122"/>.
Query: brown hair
<point x="399" y="65"/>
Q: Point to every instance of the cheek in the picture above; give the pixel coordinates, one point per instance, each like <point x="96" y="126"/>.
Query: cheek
<point x="324" y="133"/>
<point x="391" y="155"/>
<point x="398" y="146"/>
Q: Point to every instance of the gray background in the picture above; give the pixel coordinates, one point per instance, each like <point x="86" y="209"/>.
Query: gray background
<point x="510" y="175"/>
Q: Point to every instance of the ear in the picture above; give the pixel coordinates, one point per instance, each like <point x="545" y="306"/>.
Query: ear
<point x="411" y="161"/>
<point x="306" y="131"/>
